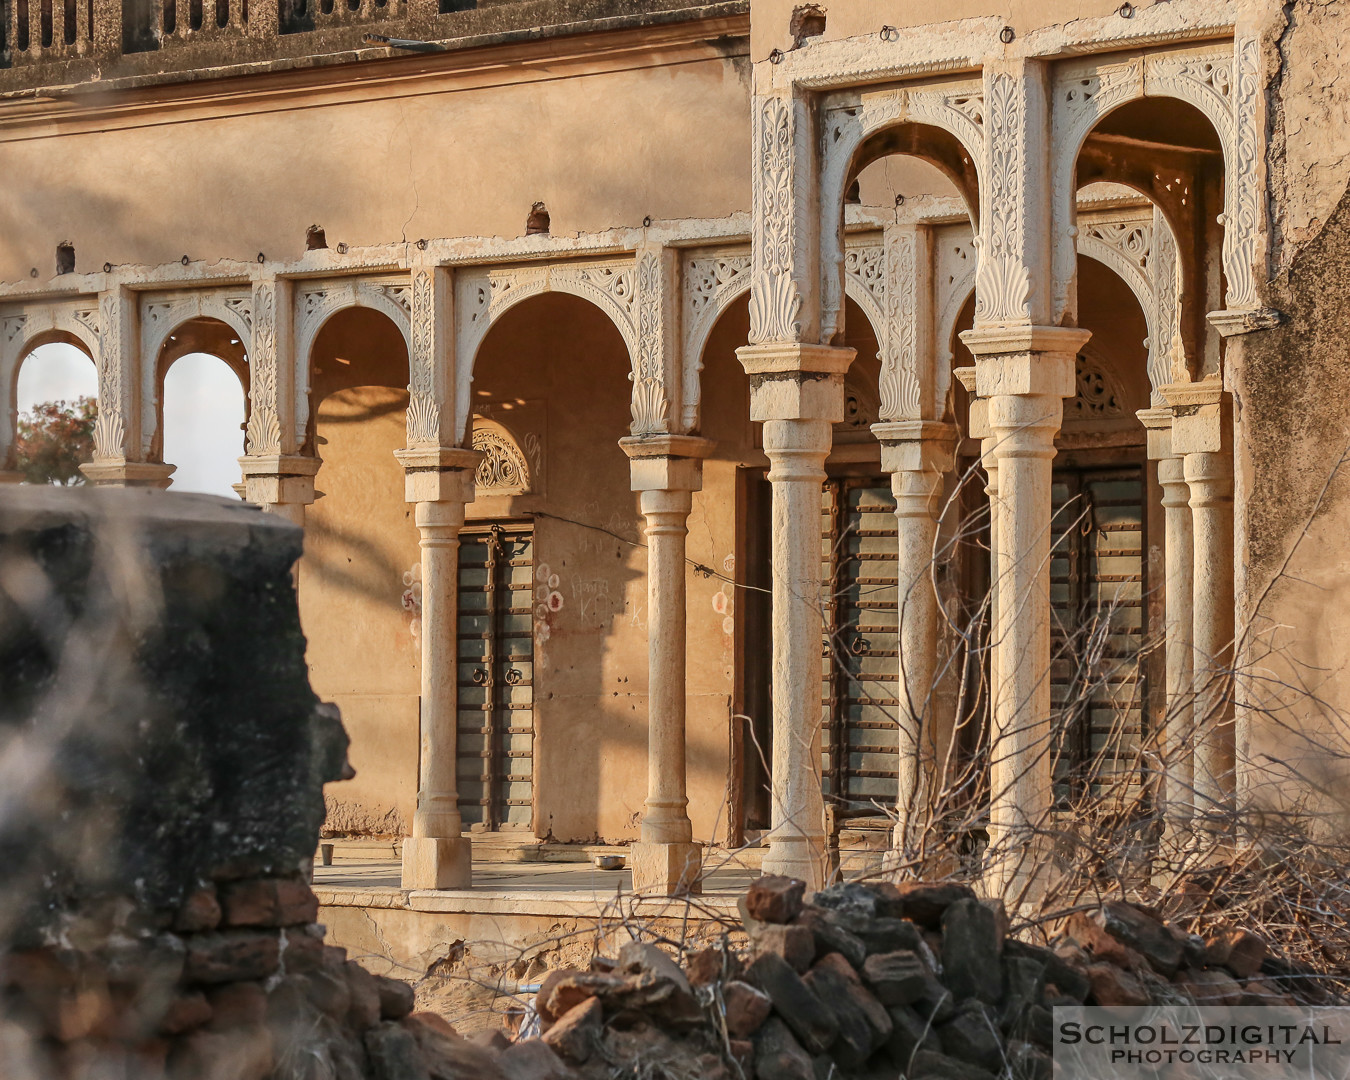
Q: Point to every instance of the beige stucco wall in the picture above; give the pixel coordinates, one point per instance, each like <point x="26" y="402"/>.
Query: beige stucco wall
<point x="441" y="155"/>
<point x="770" y="19"/>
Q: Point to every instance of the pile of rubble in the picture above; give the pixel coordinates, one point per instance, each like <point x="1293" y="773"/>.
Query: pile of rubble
<point x="914" y="980"/>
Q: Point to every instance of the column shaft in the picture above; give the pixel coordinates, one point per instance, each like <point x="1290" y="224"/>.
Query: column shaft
<point x="667" y="818"/>
<point x="1175" y="744"/>
<point x="1210" y="478"/>
<point x="797" y="450"/>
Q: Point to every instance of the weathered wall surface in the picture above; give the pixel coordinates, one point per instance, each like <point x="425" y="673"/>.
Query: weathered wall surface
<point x="434" y="156"/>
<point x="771" y="20"/>
<point x="1291" y="386"/>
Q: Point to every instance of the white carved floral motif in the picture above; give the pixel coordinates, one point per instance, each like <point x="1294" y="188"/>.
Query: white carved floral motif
<point x="264" y="423"/>
<point x="1003" y="282"/>
<point x="503" y="470"/>
<point x="775" y="299"/>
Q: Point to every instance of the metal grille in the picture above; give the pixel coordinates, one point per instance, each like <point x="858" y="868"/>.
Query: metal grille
<point x="496" y="677"/>
<point x="1097" y="628"/>
<point x="858" y="733"/>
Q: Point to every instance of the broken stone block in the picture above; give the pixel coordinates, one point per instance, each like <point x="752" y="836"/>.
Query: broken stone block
<point x="778" y="1055"/>
<point x="1112" y="985"/>
<point x="854" y="899"/>
<point x="1029" y="1062"/>
<point x="930" y="1066"/>
<point x="576" y="1034"/>
<point x="1023" y="987"/>
<point x="971" y="947"/>
<point x="302" y="950"/>
<point x="200" y="912"/>
<point x="775" y="899"/>
<point x="924" y="903"/>
<point x="533" y="1059"/>
<point x="795" y="943"/>
<point x="1065" y="974"/>
<point x="1240" y="951"/>
<point x="268" y="902"/>
<point x="240" y="1054"/>
<point x="364" y="1010"/>
<point x="706" y="966"/>
<point x="831" y="936"/>
<point x="329" y="994"/>
<point x="812" y="1024"/>
<point x="1209" y="987"/>
<point x="237" y="1005"/>
<point x="746" y="1008"/>
<point x="397" y="998"/>
<point x="232" y="956"/>
<point x="1127" y="925"/>
<point x="644" y="957"/>
<point x="972" y="1036"/>
<point x="394" y="1054"/>
<point x="864" y="1025"/>
<point x="909" y="1033"/>
<point x="896" y="978"/>
<point x="186" y="1011"/>
<point x="882" y="935"/>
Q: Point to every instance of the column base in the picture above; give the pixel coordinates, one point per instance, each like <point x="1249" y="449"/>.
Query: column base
<point x="150" y="474"/>
<point x="437" y="862"/>
<point x="797" y="857"/>
<point x="666" y="869"/>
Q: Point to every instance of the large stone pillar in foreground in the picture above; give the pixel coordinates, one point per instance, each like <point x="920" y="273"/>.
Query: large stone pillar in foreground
<point x="667" y="470"/>
<point x="797" y="392"/>
<point x="1202" y="428"/>
<point x="1024" y="374"/>
<point x="917" y="454"/>
<point x="439" y="480"/>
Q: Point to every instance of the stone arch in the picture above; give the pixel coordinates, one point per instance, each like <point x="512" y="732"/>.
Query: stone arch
<point x="482" y="297"/>
<point x="319" y="302"/>
<point x="20" y="335"/>
<point x="708" y="297"/>
<point x="850" y="126"/>
<point x="1223" y="86"/>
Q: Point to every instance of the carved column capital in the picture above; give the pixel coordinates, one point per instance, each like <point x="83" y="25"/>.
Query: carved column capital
<point x="793" y="381"/>
<point x="1202" y="417"/>
<point x="279" y="479"/>
<point x="666" y="462"/>
<point x="927" y="446"/>
<point x="439" y="473"/>
<point x="151" y="474"/>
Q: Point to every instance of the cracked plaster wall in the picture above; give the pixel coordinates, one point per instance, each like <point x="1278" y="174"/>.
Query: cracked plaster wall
<point x="1291" y="387"/>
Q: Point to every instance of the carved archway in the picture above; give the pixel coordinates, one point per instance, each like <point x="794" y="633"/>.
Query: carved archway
<point x="482" y="297"/>
<point x="24" y="331"/>
<point x="1224" y="86"/>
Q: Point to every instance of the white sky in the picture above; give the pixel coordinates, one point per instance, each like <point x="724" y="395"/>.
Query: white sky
<point x="203" y="410"/>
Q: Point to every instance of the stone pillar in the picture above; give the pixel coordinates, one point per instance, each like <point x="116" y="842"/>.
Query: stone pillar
<point x="916" y="454"/>
<point x="1176" y="787"/>
<point x="1202" y="428"/>
<point x="1023" y="373"/>
<point x="667" y="470"/>
<point x="439" y="480"/>
<point x="797" y="392"/>
<point x="281" y="484"/>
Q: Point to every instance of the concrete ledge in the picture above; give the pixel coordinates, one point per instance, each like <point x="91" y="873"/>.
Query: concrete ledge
<point x="585" y="905"/>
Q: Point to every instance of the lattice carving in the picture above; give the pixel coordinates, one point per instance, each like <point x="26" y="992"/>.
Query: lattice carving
<point x="504" y="469"/>
<point x="1099" y="396"/>
<point x="866" y="265"/>
<point x="88" y="318"/>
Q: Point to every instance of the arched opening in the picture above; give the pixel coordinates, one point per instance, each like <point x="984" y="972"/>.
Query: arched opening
<point x="201" y="376"/>
<point x="204" y="408"/>
<point x="54" y="396"/>
<point x="359" y="580"/>
<point x="552" y="735"/>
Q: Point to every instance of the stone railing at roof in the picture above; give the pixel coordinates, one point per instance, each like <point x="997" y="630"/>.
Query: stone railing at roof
<point x="50" y="44"/>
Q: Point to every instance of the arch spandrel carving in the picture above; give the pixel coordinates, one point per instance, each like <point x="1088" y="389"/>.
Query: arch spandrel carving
<point x="504" y="469"/>
<point x="712" y="280"/>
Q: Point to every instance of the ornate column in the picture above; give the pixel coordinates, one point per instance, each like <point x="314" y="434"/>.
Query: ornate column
<point x="119" y="453"/>
<point x="797" y="392"/>
<point x="277" y="476"/>
<point x="917" y="454"/>
<point x="1024" y="368"/>
<point x="439" y="481"/>
<point x="1202" y="427"/>
<point x="1176" y="787"/>
<point x="667" y="470"/>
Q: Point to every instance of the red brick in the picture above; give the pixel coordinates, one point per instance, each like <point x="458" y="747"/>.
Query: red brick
<point x="235" y="956"/>
<point x="237" y="1005"/>
<point x="268" y="902"/>
<point x="746" y="1008"/>
<point x="200" y="912"/>
<point x="775" y="899"/>
<point x="185" y="1012"/>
